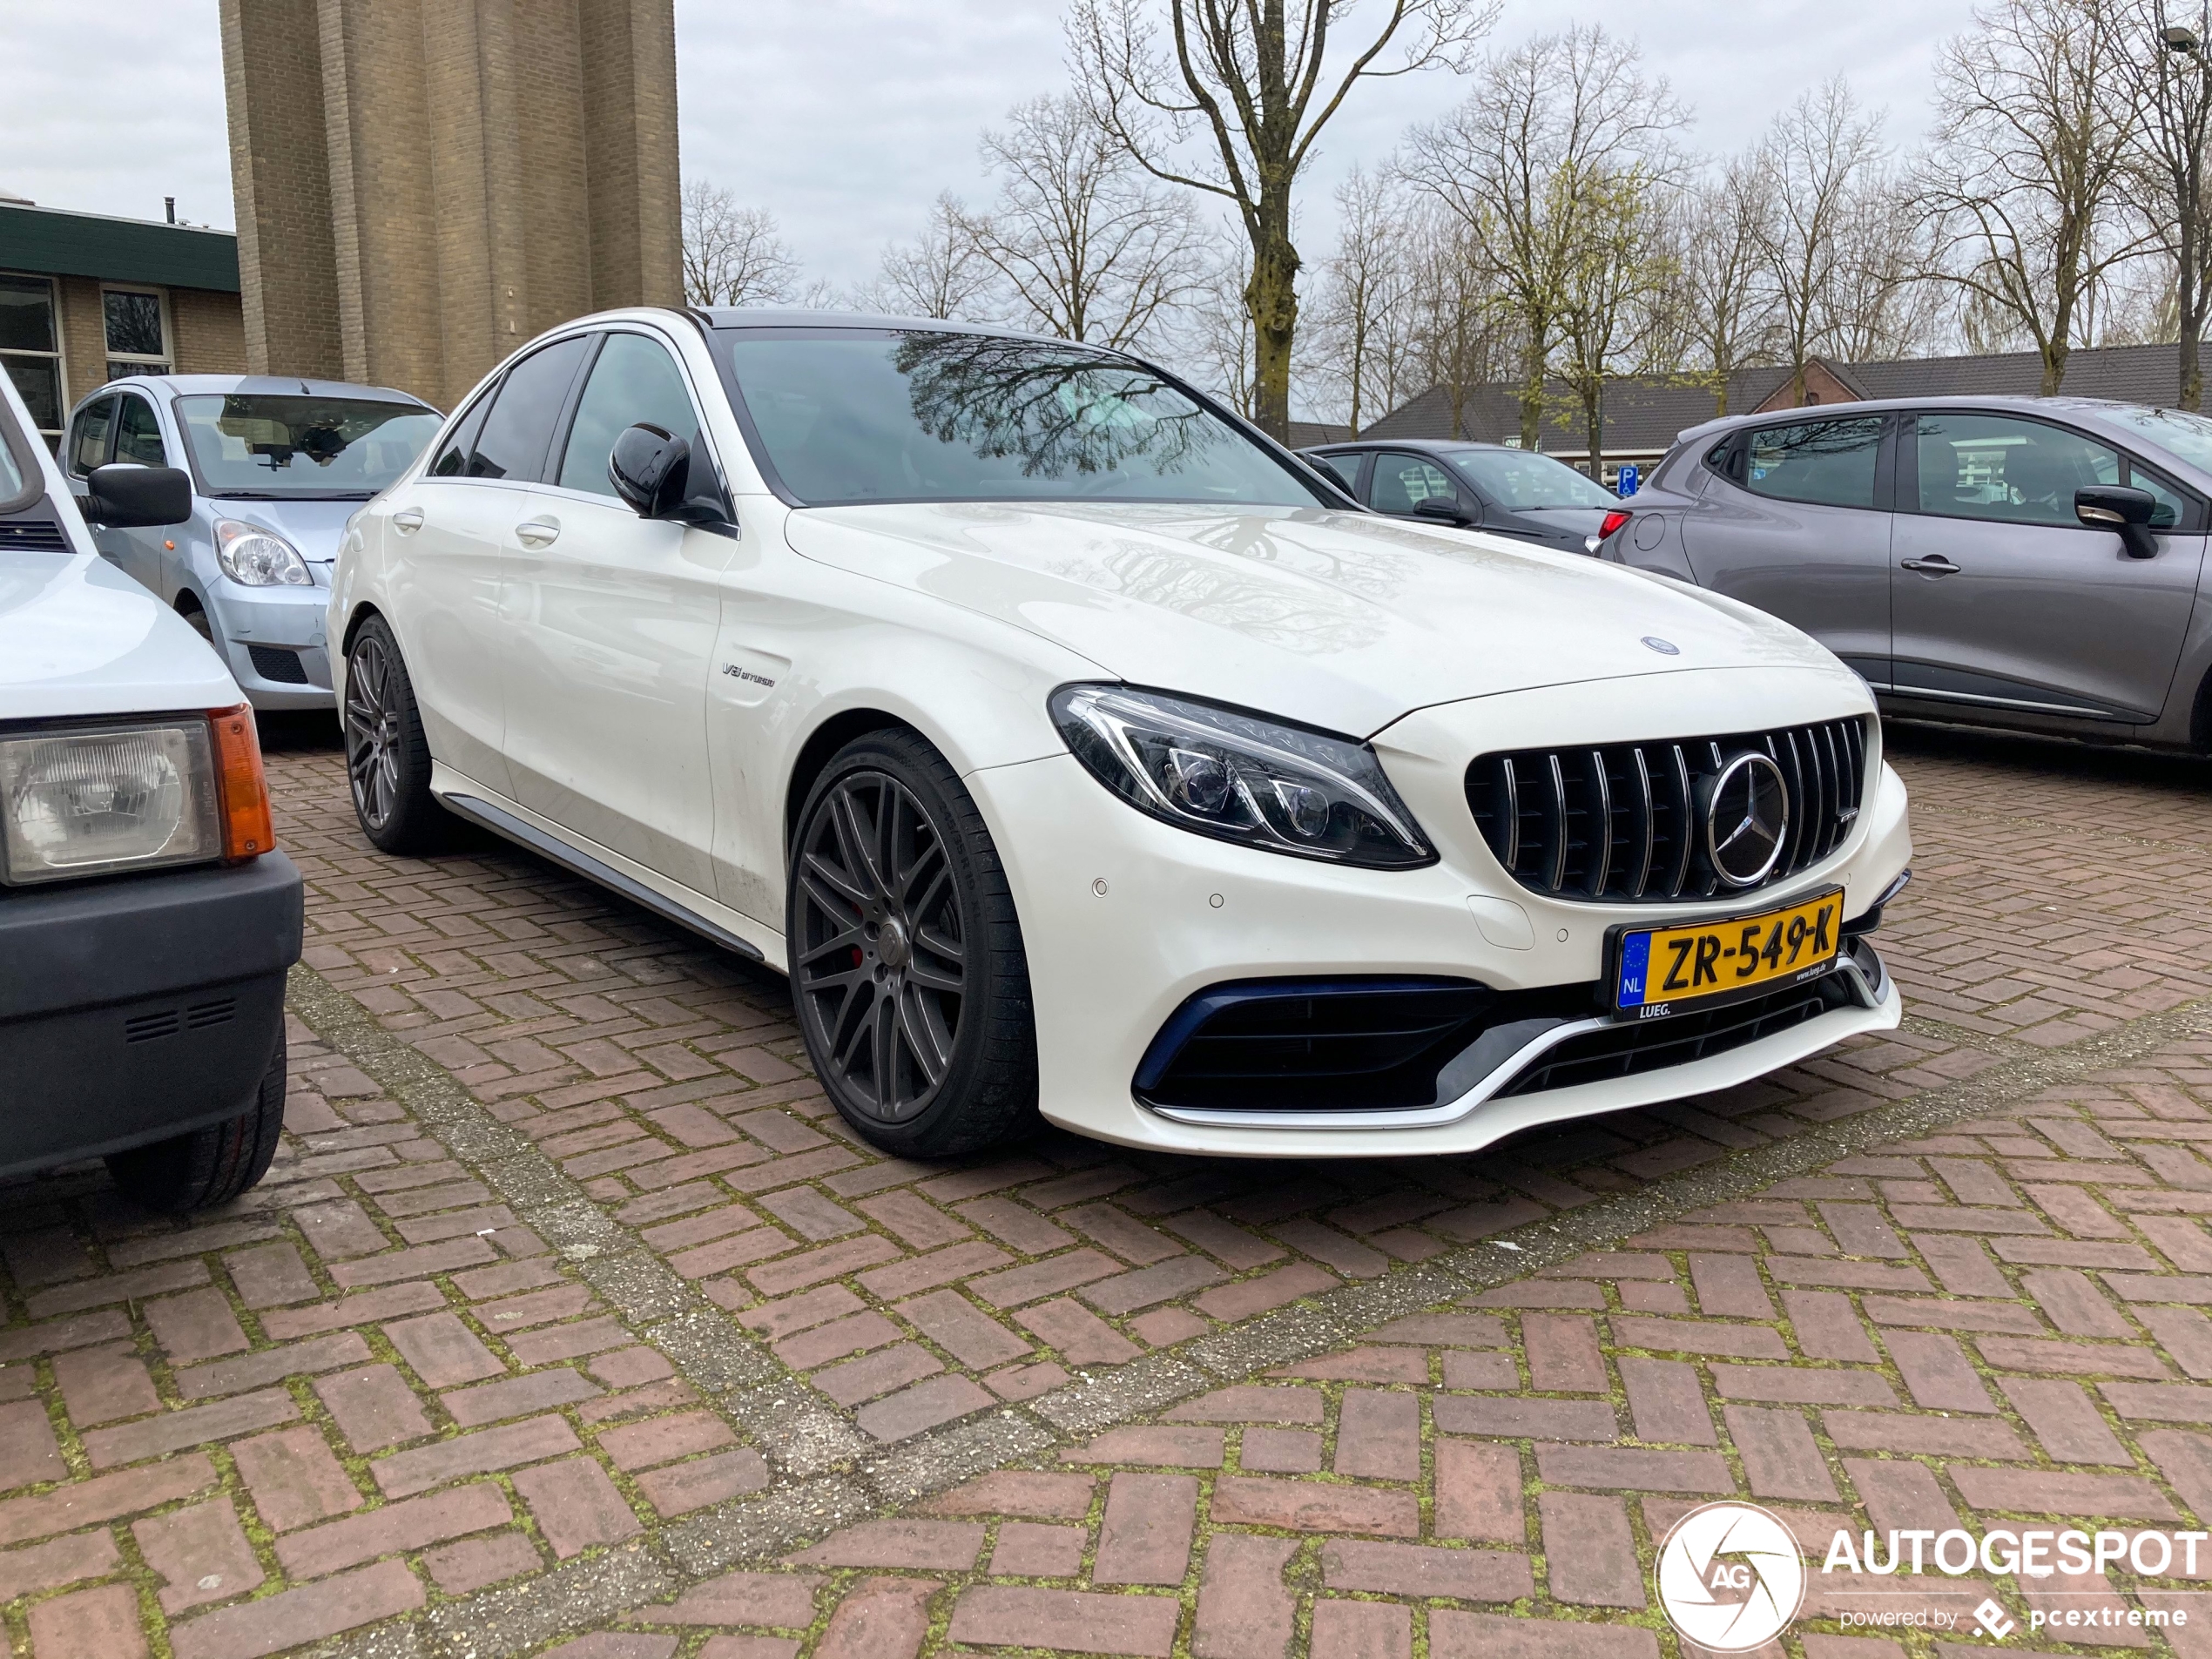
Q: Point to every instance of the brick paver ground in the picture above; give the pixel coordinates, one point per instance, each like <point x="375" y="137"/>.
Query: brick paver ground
<point x="571" y="1314"/>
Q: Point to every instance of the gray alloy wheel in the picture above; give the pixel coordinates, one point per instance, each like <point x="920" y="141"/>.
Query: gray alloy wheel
<point x="388" y="760"/>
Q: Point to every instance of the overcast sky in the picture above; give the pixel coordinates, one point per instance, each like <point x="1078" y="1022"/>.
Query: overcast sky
<point x="845" y="118"/>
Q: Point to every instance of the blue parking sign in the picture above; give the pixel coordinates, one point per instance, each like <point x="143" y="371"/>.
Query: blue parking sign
<point x="1628" y="482"/>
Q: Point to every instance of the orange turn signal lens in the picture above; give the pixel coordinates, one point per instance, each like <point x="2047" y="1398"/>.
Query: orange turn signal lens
<point x="241" y="788"/>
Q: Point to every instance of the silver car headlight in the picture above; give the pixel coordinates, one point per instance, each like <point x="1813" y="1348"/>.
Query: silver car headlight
<point x="259" y="558"/>
<point x="96" y="800"/>
<point x="1241" y="777"/>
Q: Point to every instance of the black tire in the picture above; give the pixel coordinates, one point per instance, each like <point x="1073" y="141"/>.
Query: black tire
<point x="387" y="758"/>
<point x="197" y="618"/>
<point x="906" y="963"/>
<point x="212" y="1165"/>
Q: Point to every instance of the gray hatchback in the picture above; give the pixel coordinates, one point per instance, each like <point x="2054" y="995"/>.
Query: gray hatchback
<point x="2030" y="562"/>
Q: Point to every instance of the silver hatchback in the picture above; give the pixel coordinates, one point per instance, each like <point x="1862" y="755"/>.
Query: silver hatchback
<point x="278" y="465"/>
<point x="2037" y="563"/>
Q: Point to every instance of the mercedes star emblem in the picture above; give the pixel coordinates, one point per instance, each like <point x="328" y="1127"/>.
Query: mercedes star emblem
<point x="1664" y="647"/>
<point x="1747" y="819"/>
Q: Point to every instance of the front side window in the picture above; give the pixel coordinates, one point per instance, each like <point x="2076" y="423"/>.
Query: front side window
<point x="2012" y="471"/>
<point x="138" y="332"/>
<point x="1402" y="482"/>
<point x="633" y="383"/>
<point x="1343" y="468"/>
<point x="88" y="435"/>
<point x="30" y="350"/>
<point x="848" y="415"/>
<point x="518" y="428"/>
<point x="138" y="434"/>
<point x="1522" y="482"/>
<point x="272" y="445"/>
<point x="1827" y="463"/>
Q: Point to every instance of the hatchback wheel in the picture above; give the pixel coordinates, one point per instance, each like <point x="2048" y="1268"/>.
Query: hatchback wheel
<point x="906" y="955"/>
<point x="388" y="760"/>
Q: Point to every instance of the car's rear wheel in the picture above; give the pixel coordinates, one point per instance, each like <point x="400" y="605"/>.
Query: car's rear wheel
<point x="387" y="758"/>
<point x="906" y="960"/>
<point x="212" y="1165"/>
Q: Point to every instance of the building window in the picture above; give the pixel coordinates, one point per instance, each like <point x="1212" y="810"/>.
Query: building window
<point x="137" y="332"/>
<point x="31" y="348"/>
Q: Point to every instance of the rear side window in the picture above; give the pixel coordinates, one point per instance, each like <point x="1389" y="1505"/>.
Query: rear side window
<point x="1829" y="463"/>
<point x="518" y="429"/>
<point x="88" y="437"/>
<point x="138" y="434"/>
<point x="633" y="383"/>
<point x="452" y="459"/>
<point x="1343" y="468"/>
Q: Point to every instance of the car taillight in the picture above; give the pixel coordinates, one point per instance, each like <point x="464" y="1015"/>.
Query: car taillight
<point x="241" y="790"/>
<point x="1613" y="520"/>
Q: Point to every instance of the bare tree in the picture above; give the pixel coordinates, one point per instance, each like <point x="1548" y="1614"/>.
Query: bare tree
<point x="2163" y="49"/>
<point x="1815" y="155"/>
<point x="1253" y="83"/>
<point x="2035" y="129"/>
<point x="1720" y="230"/>
<point x="1610" y="307"/>
<point x="1881" y="301"/>
<point x="1219" y="334"/>
<point x="1520" y="162"/>
<point x="1087" y="246"/>
<point x="1462" y="333"/>
<point x="1363" y="330"/>
<point x="941" y="273"/>
<point x="733" y="255"/>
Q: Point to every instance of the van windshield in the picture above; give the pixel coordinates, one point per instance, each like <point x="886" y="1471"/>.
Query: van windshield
<point x="848" y="415"/>
<point x="286" y="444"/>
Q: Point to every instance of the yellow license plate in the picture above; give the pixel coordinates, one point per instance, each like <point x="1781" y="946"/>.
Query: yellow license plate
<point x="1672" y="970"/>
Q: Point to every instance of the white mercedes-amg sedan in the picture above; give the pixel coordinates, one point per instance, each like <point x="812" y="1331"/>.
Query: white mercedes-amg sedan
<point x="1077" y="751"/>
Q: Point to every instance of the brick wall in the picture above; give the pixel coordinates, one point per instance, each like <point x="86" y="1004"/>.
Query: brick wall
<point x="208" y="332"/>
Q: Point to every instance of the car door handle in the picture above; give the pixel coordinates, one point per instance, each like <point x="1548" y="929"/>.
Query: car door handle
<point x="1933" y="564"/>
<point x="538" y="532"/>
<point x="407" y="521"/>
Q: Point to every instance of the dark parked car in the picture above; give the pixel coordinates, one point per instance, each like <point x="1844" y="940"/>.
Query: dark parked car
<point x="1482" y="486"/>
<point x="2036" y="563"/>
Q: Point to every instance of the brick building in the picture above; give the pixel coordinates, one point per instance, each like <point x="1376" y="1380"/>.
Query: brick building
<point x="85" y="297"/>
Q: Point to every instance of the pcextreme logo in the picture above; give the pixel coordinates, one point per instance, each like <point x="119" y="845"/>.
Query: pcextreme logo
<point x="1730" y="1578"/>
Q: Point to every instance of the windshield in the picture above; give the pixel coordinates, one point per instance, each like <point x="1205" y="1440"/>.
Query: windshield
<point x="260" y="443"/>
<point x="851" y="415"/>
<point x="1521" y="481"/>
<point x="2185" y="436"/>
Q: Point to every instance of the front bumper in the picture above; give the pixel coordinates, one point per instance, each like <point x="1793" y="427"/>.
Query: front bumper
<point x="1125" y="918"/>
<point x="287" y="623"/>
<point x="138" y="1007"/>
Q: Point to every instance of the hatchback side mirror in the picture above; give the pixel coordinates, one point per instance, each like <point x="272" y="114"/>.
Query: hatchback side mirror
<point x="2116" y="507"/>
<point x="119" y="496"/>
<point x="1444" y="508"/>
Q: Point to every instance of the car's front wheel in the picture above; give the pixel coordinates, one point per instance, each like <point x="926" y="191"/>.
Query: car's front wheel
<point x="906" y="960"/>
<point x="213" y="1165"/>
<point x="387" y="758"/>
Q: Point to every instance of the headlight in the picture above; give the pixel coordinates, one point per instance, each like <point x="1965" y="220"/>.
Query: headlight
<point x="94" y="801"/>
<point x="1240" y="776"/>
<point x="259" y="558"/>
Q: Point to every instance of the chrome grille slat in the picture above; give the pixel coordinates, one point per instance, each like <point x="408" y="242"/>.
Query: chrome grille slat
<point x="1623" y="823"/>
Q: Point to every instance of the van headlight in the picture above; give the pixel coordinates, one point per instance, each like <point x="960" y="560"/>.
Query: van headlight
<point x="259" y="558"/>
<point x="1241" y="777"/>
<point x="96" y="800"/>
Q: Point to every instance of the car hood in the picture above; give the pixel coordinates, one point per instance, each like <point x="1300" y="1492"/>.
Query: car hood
<point x="1343" y="620"/>
<point x="315" y="527"/>
<point x="78" y="636"/>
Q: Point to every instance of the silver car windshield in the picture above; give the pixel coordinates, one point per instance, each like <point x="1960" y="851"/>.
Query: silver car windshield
<point x="852" y="415"/>
<point x="2185" y="437"/>
<point x="1527" y="482"/>
<point x="250" y="444"/>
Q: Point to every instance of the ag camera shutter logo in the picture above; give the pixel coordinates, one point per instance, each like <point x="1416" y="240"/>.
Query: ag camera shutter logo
<point x="1730" y="1577"/>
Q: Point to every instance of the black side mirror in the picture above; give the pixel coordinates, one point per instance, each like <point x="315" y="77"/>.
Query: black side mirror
<point x="1444" y="507"/>
<point x="650" y="469"/>
<point x="119" y="496"/>
<point x="2116" y="507"/>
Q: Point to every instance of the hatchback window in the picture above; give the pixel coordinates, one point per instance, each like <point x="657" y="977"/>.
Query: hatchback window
<point x="633" y="383"/>
<point x="1522" y="482"/>
<point x="88" y="437"/>
<point x="138" y="434"/>
<point x="851" y="414"/>
<point x="1402" y="482"/>
<point x="274" y="446"/>
<point x="2015" y="472"/>
<point x="519" y="429"/>
<point x="1828" y="463"/>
